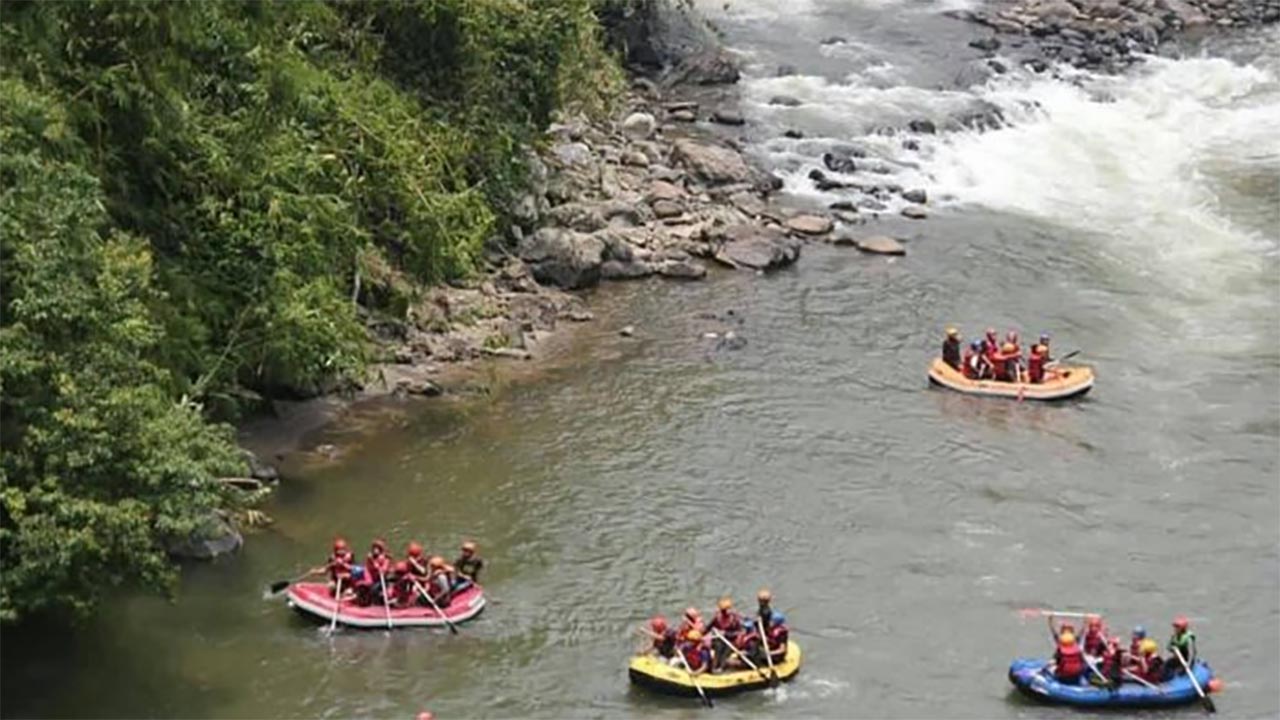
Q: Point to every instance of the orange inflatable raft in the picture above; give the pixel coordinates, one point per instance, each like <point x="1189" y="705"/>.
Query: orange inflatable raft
<point x="1060" y="383"/>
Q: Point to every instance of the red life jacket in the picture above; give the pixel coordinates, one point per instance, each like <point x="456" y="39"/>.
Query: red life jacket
<point x="746" y="641"/>
<point x="695" y="655"/>
<point x="686" y="625"/>
<point x="1094" y="642"/>
<point x="1070" y="662"/>
<point x="778" y="637"/>
<point x="1155" y="669"/>
<point x="729" y="623"/>
<point x="340" y="566"/>
<point x="1035" y="373"/>
<point x="376" y="567"/>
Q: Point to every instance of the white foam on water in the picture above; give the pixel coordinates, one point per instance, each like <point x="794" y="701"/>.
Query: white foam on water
<point x="1132" y="158"/>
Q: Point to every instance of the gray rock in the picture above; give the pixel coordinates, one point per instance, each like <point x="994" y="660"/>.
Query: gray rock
<point x="563" y="258"/>
<point x="711" y="67"/>
<point x="639" y="126"/>
<point x="988" y="44"/>
<point x="785" y="70"/>
<point x="793" y="134"/>
<point x="727" y="117"/>
<point x="215" y="537"/>
<point x="683" y="116"/>
<point x="258" y="469"/>
<point x="916" y="195"/>
<point x="839" y="163"/>
<point x="834" y="40"/>
<point x="625" y="270"/>
<point x="712" y="164"/>
<point x="810" y="224"/>
<point x="666" y="208"/>
<point x="627" y="330"/>
<point x="663" y="190"/>
<point x="845" y="205"/>
<point x="785" y="101"/>
<point x="573" y="154"/>
<point x="682" y="269"/>
<point x="419" y="386"/>
<point x="623" y="213"/>
<point x="525" y="211"/>
<point x="915" y="212"/>
<point x="756" y="247"/>
<point x="881" y="245"/>
<point x="635" y="158"/>
<point x="577" y="216"/>
<point x="923" y="126"/>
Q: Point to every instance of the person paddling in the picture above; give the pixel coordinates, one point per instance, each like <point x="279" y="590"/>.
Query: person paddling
<point x="691" y="621"/>
<point x="402" y="590"/>
<point x="338" y="565"/>
<point x="728" y="622"/>
<point x="1068" y="659"/>
<point x="951" y="349"/>
<point x="377" y="566"/>
<point x="1150" y="664"/>
<point x="1095" y="637"/>
<point x="779" y="636"/>
<point x="1183" y="641"/>
<point x="764" y="609"/>
<point x="1112" y="665"/>
<point x="663" y="638"/>
<point x="1036" y="362"/>
<point x="748" y="643"/>
<point x="468" y="566"/>
<point x="696" y="653"/>
<point x="440" y="581"/>
<point x="970" y="363"/>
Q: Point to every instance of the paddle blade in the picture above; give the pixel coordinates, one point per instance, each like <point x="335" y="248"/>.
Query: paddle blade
<point x="1209" y="706"/>
<point x="706" y="700"/>
<point x="278" y="586"/>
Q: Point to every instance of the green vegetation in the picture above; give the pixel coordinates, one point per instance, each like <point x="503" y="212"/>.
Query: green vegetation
<point x="201" y="199"/>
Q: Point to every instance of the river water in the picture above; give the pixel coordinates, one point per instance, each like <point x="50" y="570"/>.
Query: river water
<point x="901" y="528"/>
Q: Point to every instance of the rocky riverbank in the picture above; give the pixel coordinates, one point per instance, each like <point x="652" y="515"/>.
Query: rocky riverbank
<point x="1107" y="34"/>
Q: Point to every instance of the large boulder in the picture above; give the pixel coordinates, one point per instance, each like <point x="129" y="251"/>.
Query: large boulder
<point x="563" y="258"/>
<point x="215" y="537"/>
<point x="712" y="164"/>
<point x="639" y="126"/>
<point x="755" y="247"/>
<point x="577" y="216"/>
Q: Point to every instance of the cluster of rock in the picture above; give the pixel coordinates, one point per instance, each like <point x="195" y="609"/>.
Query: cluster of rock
<point x="1106" y="34"/>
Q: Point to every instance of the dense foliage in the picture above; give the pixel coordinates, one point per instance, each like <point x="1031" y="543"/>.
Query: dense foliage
<point x="201" y="199"/>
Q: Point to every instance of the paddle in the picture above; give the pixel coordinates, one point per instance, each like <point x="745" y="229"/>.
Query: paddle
<point x="1034" y="612"/>
<point x="1204" y="699"/>
<point x="337" y="603"/>
<point x="386" y="601"/>
<point x="452" y="628"/>
<point x="773" y="679"/>
<point x="768" y="654"/>
<point x="278" y="586"/>
<point x="1105" y="680"/>
<point x="1062" y="359"/>
<point x="1138" y="678"/>
<point x="705" y="700"/>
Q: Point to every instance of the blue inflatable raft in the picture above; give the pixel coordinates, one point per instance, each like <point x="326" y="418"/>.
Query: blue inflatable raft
<point x="1028" y="675"/>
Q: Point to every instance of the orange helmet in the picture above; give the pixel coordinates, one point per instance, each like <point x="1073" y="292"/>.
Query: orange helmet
<point x="436" y="561"/>
<point x="659" y="624"/>
<point x="415" y="550"/>
<point x="725" y="603"/>
<point x="1008" y="347"/>
<point x="402" y="567"/>
<point x="339" y="543"/>
<point x="1181" y="622"/>
<point x="764" y="595"/>
<point x="469" y="547"/>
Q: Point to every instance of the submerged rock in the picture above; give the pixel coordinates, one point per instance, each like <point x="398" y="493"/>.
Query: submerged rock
<point x="881" y="245"/>
<point x="810" y="224"/>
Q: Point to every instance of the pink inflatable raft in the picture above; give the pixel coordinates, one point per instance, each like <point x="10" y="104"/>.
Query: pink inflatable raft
<point x="314" y="599"/>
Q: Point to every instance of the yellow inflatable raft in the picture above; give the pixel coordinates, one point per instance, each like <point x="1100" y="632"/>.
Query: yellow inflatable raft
<point x="653" y="672"/>
<point x="1060" y="383"/>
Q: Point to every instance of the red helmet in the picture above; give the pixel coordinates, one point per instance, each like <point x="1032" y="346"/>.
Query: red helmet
<point x="468" y="548"/>
<point x="380" y="544"/>
<point x="659" y="624"/>
<point x="693" y="613"/>
<point x="1181" y="622"/>
<point x="339" y="543"/>
<point x="402" y="567"/>
<point x="415" y="549"/>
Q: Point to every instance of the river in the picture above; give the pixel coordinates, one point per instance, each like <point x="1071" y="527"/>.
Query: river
<point x="1136" y="218"/>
